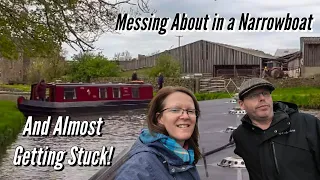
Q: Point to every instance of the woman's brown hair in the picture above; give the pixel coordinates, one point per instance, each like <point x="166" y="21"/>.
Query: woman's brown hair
<point x="157" y="104"/>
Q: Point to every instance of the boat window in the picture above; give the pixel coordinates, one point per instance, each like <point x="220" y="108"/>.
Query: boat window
<point x="116" y="92"/>
<point x="103" y="93"/>
<point x="135" y="92"/>
<point x="70" y="93"/>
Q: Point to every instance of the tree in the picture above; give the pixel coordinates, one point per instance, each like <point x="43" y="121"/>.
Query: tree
<point x="123" y="56"/>
<point x="86" y="66"/>
<point x="35" y="27"/>
<point x="47" y="68"/>
<point x="167" y="65"/>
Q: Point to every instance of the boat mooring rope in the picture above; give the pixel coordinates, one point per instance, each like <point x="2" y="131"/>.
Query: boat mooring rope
<point x="205" y="154"/>
<point x="230" y="144"/>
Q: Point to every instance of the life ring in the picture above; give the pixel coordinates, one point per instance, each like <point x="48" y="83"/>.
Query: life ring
<point x="20" y="99"/>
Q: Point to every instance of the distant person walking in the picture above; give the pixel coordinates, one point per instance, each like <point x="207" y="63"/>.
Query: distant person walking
<point x="160" y="81"/>
<point x="134" y="76"/>
<point x="41" y="90"/>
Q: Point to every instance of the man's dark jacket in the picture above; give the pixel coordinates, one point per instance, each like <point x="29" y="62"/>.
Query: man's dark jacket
<point x="134" y="77"/>
<point x="288" y="150"/>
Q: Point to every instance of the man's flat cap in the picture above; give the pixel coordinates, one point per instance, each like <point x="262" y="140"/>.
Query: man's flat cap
<point x="252" y="84"/>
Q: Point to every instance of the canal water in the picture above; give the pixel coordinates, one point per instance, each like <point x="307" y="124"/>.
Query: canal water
<point x="119" y="130"/>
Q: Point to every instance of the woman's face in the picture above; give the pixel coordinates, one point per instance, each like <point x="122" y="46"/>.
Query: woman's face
<point x="179" y="124"/>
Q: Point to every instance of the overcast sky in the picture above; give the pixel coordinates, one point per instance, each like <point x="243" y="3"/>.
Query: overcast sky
<point x="149" y="42"/>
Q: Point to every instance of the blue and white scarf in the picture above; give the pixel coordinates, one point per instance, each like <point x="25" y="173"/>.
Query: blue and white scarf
<point x="186" y="155"/>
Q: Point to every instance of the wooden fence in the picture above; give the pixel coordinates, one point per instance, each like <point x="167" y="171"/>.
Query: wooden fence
<point x="212" y="85"/>
<point x="196" y="85"/>
<point x="206" y="85"/>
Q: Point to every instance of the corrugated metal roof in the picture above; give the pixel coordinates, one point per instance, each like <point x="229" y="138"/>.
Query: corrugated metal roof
<point x="254" y="52"/>
<point x="289" y="57"/>
<point x="315" y="40"/>
<point x="283" y="52"/>
<point x="308" y="40"/>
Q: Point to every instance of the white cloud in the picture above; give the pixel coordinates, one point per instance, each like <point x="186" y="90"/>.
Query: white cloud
<point x="148" y="42"/>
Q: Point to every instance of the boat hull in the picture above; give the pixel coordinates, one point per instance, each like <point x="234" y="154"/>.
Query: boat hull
<point x="42" y="108"/>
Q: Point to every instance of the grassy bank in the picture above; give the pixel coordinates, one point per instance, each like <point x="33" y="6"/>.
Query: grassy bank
<point x="306" y="98"/>
<point x="11" y="122"/>
<point x="16" y="87"/>
<point x="211" y="96"/>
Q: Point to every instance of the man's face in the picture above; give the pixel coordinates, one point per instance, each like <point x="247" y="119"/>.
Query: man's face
<point x="258" y="104"/>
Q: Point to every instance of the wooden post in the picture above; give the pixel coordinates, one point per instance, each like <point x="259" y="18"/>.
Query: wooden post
<point x="214" y="71"/>
<point x="197" y="85"/>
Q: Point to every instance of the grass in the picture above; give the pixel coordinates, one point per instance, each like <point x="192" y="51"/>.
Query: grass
<point x="11" y="122"/>
<point x="308" y="98"/>
<point x="211" y="96"/>
<point x="305" y="98"/>
<point x="297" y="90"/>
<point x="21" y="87"/>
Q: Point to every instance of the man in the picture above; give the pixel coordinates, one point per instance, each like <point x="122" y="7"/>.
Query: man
<point x="275" y="140"/>
<point x="160" y="81"/>
<point x="41" y="90"/>
<point x="134" y="76"/>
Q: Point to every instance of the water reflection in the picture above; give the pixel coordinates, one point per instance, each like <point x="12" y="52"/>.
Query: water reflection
<point x="119" y="130"/>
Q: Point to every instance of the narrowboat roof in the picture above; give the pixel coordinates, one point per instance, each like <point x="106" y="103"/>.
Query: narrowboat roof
<point x="97" y="84"/>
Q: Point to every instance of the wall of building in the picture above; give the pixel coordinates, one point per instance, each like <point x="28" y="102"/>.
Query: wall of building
<point x="311" y="55"/>
<point x="294" y="68"/>
<point x="238" y="70"/>
<point x="308" y="72"/>
<point x="310" y="47"/>
<point x="200" y="57"/>
<point x="13" y="71"/>
<point x="294" y="73"/>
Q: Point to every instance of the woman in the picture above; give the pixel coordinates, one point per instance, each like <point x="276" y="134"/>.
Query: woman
<point x="168" y="148"/>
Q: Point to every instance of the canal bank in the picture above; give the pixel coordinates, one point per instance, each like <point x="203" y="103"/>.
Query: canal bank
<point x="11" y="123"/>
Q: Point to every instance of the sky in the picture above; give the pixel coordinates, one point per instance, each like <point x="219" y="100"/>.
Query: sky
<point x="149" y="42"/>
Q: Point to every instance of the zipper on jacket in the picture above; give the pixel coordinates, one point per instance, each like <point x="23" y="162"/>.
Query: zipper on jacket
<point x="275" y="157"/>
